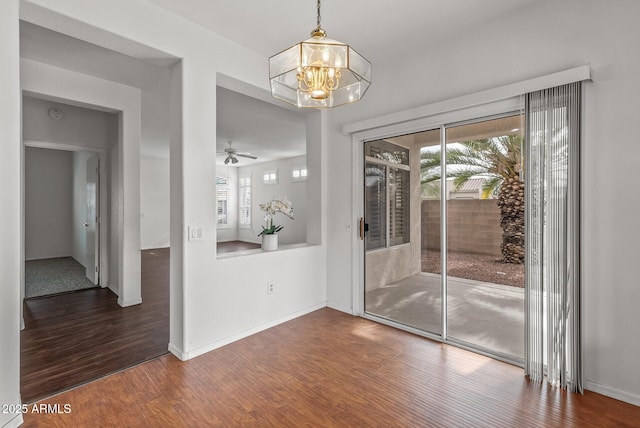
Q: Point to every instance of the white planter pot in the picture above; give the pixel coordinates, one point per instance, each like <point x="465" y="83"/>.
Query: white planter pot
<point x="270" y="242"/>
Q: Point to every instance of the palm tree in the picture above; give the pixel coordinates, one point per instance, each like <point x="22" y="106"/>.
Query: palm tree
<point x="498" y="160"/>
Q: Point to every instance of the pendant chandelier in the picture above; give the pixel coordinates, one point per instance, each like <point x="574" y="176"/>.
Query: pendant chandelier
<point x="319" y="72"/>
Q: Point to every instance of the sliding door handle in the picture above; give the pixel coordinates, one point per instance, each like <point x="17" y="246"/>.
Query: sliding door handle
<point x="362" y="228"/>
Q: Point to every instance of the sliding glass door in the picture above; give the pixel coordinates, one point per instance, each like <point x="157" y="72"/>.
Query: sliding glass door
<point x="468" y="224"/>
<point x="485" y="235"/>
<point x="395" y="288"/>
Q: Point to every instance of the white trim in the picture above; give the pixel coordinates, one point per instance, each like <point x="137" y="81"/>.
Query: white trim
<point x="15" y="422"/>
<point x="60" y="146"/>
<point x="340" y="308"/>
<point x="358" y="250"/>
<point x="246" y="333"/>
<point x="127" y="303"/>
<point x="420" y="124"/>
<point x="472" y="100"/>
<point x="371" y="159"/>
<point x="627" y="397"/>
<point x="177" y="353"/>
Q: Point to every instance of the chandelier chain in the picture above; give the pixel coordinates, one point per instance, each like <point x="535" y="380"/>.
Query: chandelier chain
<point x="318" y="14"/>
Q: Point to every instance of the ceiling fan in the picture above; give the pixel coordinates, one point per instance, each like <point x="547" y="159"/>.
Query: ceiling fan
<point x="232" y="154"/>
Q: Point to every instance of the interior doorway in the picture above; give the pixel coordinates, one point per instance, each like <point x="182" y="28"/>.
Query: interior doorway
<point x="62" y="219"/>
<point x="118" y="107"/>
<point x="444" y="233"/>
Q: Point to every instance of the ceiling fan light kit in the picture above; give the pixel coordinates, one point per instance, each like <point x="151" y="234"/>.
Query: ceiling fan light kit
<point x="319" y="72"/>
<point x="232" y="154"/>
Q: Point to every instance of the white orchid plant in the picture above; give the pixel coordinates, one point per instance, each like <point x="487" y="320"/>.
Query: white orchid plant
<point x="271" y="208"/>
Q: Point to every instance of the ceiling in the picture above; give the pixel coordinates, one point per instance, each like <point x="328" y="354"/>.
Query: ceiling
<point x="381" y="32"/>
<point x="259" y="128"/>
<point x="378" y="30"/>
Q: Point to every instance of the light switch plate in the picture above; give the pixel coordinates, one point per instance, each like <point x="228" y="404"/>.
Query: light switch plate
<point x="196" y="233"/>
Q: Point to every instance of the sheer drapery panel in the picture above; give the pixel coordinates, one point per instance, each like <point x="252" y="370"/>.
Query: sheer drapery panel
<point x="552" y="305"/>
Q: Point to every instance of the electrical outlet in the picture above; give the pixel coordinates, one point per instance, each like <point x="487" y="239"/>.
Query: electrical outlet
<point x="271" y="288"/>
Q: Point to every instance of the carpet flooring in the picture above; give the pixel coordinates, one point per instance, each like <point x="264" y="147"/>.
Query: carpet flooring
<point x="53" y="276"/>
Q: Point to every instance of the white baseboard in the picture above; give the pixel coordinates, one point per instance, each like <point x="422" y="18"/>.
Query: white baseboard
<point x="627" y="397"/>
<point x="155" y="247"/>
<point x="340" y="308"/>
<point x="127" y="303"/>
<point x="14" y="422"/>
<point x="246" y="333"/>
<point x="178" y="353"/>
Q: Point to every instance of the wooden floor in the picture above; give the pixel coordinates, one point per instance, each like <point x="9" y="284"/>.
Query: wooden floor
<point x="330" y="369"/>
<point x="233" y="246"/>
<point x="73" y="338"/>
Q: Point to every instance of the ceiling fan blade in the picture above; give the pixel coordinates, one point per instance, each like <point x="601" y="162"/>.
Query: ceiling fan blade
<point x="246" y="155"/>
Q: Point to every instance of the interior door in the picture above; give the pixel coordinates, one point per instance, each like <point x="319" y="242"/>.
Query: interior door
<point x="92" y="222"/>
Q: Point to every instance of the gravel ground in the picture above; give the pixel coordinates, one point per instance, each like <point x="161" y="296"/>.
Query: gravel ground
<point x="479" y="267"/>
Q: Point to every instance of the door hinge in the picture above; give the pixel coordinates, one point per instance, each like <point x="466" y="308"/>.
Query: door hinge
<point x="97" y="269"/>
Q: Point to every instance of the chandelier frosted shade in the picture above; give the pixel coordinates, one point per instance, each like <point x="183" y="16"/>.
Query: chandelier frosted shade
<point x="319" y="72"/>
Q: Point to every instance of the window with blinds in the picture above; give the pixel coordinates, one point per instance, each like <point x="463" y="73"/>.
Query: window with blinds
<point x="398" y="206"/>
<point x="387" y="199"/>
<point x="376" y="206"/>
<point x="222" y="191"/>
<point x="244" y="203"/>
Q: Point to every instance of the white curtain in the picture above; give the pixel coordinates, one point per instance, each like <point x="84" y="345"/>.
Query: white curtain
<point x="552" y="292"/>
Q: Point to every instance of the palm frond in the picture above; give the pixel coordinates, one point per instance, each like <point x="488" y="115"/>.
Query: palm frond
<point x="491" y="187"/>
<point x="460" y="177"/>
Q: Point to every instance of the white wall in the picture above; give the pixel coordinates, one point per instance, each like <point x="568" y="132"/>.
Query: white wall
<point x="571" y="33"/>
<point x="60" y="84"/>
<point x="500" y="52"/>
<point x="205" y="309"/>
<point x="113" y="236"/>
<point x="10" y="216"/>
<point x="48" y="203"/>
<point x="79" y="126"/>
<point x="295" y="231"/>
<point x="153" y="81"/>
<point x="154" y="202"/>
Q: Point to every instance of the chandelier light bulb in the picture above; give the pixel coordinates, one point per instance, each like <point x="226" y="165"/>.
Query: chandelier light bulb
<point x="319" y="72"/>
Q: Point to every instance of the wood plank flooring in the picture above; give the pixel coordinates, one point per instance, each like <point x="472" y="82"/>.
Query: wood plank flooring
<point x="233" y="246"/>
<point x="77" y="337"/>
<point x="330" y="369"/>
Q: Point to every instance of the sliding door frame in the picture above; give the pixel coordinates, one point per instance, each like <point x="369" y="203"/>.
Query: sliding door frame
<point x="442" y="122"/>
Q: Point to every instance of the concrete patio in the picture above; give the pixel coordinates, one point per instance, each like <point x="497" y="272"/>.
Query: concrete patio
<point x="480" y="313"/>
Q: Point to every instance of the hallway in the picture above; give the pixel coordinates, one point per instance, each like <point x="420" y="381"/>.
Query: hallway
<point x="74" y="338"/>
